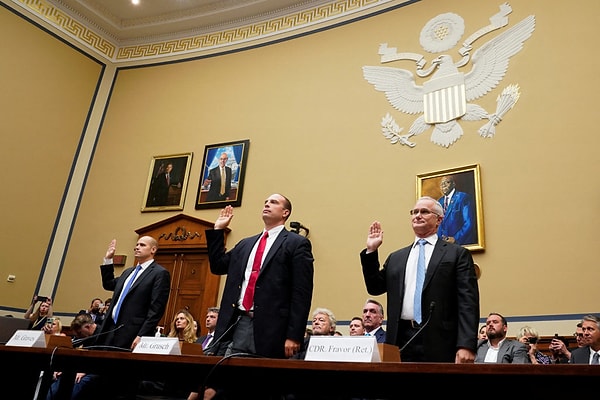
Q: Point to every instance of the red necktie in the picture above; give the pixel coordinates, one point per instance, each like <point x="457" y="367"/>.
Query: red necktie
<point x="249" y="294"/>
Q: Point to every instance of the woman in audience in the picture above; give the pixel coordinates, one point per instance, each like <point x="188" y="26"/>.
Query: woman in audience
<point x="41" y="314"/>
<point x="182" y="327"/>
<point x="530" y="336"/>
<point x="482" y="333"/>
<point x="53" y="327"/>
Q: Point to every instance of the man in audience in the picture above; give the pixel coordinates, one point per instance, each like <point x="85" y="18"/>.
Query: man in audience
<point x="210" y="323"/>
<point x="497" y="348"/>
<point x="86" y="386"/>
<point x="323" y="324"/>
<point x="589" y="353"/>
<point x="95" y="311"/>
<point x="373" y="320"/>
<point x="356" y="327"/>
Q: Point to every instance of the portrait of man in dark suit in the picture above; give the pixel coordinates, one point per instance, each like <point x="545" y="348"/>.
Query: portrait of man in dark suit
<point x="219" y="180"/>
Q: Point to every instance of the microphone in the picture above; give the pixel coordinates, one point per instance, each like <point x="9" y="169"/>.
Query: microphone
<point x="431" y="307"/>
<point x="79" y="341"/>
<point x="210" y="349"/>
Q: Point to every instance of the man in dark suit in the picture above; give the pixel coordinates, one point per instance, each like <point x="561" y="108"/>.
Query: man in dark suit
<point x="273" y="323"/>
<point x="219" y="188"/>
<point x="590" y="352"/>
<point x="143" y="305"/>
<point x="449" y="305"/>
<point x="373" y="320"/>
<point x="159" y="190"/>
<point x="459" y="224"/>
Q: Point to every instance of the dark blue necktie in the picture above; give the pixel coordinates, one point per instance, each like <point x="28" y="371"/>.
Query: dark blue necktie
<point x="125" y="291"/>
<point x="420" y="279"/>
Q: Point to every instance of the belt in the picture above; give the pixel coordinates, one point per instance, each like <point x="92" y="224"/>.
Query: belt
<point x="246" y="313"/>
<point x="411" y="322"/>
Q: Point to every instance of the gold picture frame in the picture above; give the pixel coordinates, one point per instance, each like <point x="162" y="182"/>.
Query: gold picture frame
<point x="464" y="205"/>
<point x="167" y="195"/>
<point x="235" y="158"/>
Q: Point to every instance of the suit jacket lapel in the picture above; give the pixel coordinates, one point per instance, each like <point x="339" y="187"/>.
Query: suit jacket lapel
<point x="434" y="262"/>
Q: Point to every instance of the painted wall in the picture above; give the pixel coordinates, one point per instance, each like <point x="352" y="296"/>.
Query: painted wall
<point x="314" y="127"/>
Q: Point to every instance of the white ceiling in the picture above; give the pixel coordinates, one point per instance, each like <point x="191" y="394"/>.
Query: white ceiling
<point x="152" y="20"/>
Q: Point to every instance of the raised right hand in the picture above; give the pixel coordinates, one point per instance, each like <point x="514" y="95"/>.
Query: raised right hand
<point x="375" y="237"/>
<point x="224" y="218"/>
<point x="110" y="252"/>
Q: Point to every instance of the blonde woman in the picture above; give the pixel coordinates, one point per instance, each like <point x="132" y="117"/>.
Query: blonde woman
<point x="530" y="337"/>
<point x="182" y="327"/>
<point x="53" y="327"/>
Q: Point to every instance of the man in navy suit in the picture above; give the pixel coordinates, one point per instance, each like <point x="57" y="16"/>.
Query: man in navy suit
<point x="144" y="304"/>
<point x="274" y="323"/>
<point x="458" y="225"/>
<point x="449" y="304"/>
<point x="373" y="320"/>
<point x="590" y="352"/>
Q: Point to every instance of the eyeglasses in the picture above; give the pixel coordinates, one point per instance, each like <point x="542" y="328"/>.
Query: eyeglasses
<point x="578" y="335"/>
<point x="423" y="211"/>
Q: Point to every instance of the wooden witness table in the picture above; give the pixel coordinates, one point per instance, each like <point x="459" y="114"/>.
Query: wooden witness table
<point x="256" y="377"/>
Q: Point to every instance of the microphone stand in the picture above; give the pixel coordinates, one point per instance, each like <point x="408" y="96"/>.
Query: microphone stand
<point x="209" y="349"/>
<point x="431" y="307"/>
<point x="79" y="341"/>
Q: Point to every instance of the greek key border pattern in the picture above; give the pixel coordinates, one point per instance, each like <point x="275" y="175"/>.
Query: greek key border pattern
<point x="199" y="43"/>
<point x="70" y="26"/>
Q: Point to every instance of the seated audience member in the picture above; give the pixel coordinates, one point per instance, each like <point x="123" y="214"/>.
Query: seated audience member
<point x="323" y="324"/>
<point x="561" y="354"/>
<point x="497" y="348"/>
<point x="373" y="320"/>
<point x="210" y="323"/>
<point x="53" y="327"/>
<point x="182" y="327"/>
<point x="589" y="353"/>
<point x="95" y="311"/>
<point x="106" y="303"/>
<point x="86" y="386"/>
<point x="38" y="317"/>
<point x="482" y="333"/>
<point x="530" y="336"/>
<point x="356" y="327"/>
<point x="83" y="328"/>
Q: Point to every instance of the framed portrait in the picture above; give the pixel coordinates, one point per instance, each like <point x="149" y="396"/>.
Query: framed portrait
<point x="167" y="182"/>
<point x="222" y="175"/>
<point x="458" y="190"/>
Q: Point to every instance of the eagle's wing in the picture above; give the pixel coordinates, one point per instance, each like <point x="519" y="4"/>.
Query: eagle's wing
<point x="490" y="62"/>
<point x="399" y="87"/>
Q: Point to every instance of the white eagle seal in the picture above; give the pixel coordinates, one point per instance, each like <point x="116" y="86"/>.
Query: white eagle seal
<point x="444" y="98"/>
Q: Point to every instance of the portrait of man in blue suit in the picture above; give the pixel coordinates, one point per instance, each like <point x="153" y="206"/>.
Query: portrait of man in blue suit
<point x="459" y="224"/>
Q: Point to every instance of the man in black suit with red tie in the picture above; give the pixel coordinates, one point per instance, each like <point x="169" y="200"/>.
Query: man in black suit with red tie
<point x="442" y="326"/>
<point x="272" y="324"/>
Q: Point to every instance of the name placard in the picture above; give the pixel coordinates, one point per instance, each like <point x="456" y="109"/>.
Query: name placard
<point x="158" y="345"/>
<point x="25" y="338"/>
<point x="343" y="348"/>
